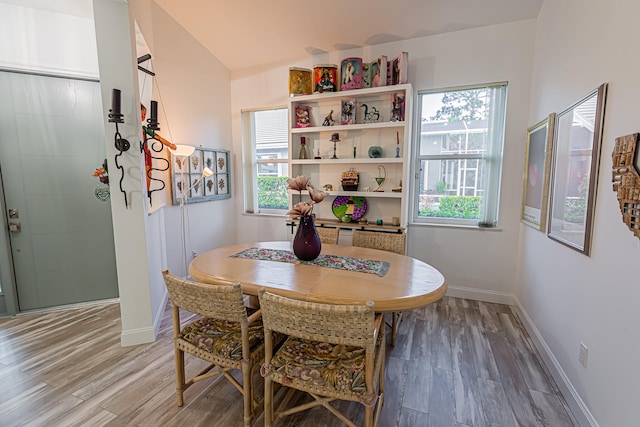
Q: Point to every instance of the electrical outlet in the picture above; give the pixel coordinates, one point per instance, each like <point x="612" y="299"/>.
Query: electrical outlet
<point x="583" y="355"/>
<point x="194" y="253"/>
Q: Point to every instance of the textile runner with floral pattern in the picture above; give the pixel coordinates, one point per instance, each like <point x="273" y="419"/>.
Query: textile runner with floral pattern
<point x="330" y="261"/>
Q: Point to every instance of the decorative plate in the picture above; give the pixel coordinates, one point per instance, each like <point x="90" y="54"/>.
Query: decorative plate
<point x="342" y="205"/>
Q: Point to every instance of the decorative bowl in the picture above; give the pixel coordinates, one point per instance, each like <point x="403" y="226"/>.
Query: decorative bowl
<point x="375" y="152"/>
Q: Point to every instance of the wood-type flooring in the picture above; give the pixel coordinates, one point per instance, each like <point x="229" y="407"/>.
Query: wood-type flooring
<point x="457" y="363"/>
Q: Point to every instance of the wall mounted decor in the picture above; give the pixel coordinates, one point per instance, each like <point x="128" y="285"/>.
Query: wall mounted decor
<point x="151" y="144"/>
<point x="189" y="177"/>
<point x="121" y="144"/>
<point x="626" y="180"/>
<point x="537" y="165"/>
<point x="578" y="135"/>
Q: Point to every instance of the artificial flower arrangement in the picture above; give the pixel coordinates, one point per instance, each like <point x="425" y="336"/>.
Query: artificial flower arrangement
<point x="102" y="175"/>
<point x="301" y="183"/>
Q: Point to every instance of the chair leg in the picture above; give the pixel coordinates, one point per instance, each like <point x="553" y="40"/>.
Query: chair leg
<point x="268" y="401"/>
<point x="179" y="356"/>
<point x="395" y="324"/>
<point x="368" y="416"/>
<point x="248" y="396"/>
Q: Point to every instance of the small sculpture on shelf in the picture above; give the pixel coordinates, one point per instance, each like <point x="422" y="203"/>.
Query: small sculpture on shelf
<point x="328" y="120"/>
<point x="382" y="176"/>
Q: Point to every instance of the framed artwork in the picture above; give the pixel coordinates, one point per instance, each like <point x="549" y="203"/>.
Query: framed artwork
<point x="351" y="74"/>
<point x="537" y="167"/>
<point x="576" y="157"/>
<point x="188" y="180"/>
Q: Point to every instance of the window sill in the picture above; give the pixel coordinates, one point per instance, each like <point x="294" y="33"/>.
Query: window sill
<point x="266" y="215"/>
<point x="457" y="226"/>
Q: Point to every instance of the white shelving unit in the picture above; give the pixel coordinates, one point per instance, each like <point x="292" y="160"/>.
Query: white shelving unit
<point x="362" y="135"/>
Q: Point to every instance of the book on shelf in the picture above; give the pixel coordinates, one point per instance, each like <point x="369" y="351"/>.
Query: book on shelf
<point x="399" y="66"/>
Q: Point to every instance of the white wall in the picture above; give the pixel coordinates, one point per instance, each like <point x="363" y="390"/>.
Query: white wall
<point x="485" y="55"/>
<point x="117" y="65"/>
<point x="193" y="90"/>
<point x="569" y="297"/>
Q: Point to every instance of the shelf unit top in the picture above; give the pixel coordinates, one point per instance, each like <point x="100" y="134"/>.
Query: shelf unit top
<point x="351" y="93"/>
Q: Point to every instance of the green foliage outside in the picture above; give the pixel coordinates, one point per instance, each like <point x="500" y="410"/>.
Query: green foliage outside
<point x="460" y="207"/>
<point x="272" y="192"/>
<point x="575" y="208"/>
<point x="466" y="105"/>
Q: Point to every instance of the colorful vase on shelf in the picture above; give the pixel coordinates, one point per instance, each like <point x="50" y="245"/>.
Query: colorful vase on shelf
<point x="306" y="243"/>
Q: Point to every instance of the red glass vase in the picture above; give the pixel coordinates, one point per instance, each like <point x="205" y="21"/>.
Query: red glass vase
<point x="306" y="243"/>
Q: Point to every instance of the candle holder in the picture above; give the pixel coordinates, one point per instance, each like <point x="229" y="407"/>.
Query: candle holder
<point x="335" y="137"/>
<point x="121" y="144"/>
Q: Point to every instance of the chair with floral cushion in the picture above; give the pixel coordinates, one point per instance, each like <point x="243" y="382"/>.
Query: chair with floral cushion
<point x="331" y="352"/>
<point x="328" y="235"/>
<point x="228" y="335"/>
<point x="390" y="242"/>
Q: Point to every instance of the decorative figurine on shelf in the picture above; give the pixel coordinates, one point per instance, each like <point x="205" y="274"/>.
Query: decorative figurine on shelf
<point x="398" y="189"/>
<point x="302" y="116"/>
<point x="328" y="120"/>
<point x="303" y="148"/>
<point x="370" y="116"/>
<point x="397" y="107"/>
<point x="382" y="176"/>
<point x="397" y="145"/>
<point x="335" y="137"/>
<point x="348" y="112"/>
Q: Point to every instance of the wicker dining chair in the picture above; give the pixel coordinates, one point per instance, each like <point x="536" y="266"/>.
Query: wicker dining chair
<point x="390" y="242"/>
<point x="226" y="335"/>
<point x="328" y="235"/>
<point x="331" y="352"/>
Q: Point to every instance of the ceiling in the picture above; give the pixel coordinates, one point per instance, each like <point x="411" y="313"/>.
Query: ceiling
<point x="257" y="33"/>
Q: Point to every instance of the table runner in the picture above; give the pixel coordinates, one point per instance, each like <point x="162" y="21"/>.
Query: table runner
<point x="330" y="261"/>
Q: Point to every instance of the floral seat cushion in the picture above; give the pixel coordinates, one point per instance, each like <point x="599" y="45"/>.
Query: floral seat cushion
<point x="322" y="364"/>
<point x="221" y="336"/>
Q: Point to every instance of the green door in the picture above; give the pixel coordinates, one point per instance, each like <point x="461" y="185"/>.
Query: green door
<point x="51" y="142"/>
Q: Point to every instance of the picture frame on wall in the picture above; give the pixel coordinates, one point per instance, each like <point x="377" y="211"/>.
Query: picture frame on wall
<point x="189" y="181"/>
<point x="537" y="169"/>
<point x="576" y="157"/>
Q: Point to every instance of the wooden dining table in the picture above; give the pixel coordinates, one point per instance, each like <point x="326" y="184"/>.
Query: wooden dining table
<point x="408" y="283"/>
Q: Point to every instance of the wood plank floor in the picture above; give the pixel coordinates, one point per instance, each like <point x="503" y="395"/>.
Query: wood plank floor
<point x="456" y="363"/>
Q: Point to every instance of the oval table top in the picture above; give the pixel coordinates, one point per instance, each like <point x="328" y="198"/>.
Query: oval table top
<point x="409" y="283"/>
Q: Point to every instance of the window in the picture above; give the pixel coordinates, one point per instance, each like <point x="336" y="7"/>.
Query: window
<point x="265" y="157"/>
<point x="459" y="155"/>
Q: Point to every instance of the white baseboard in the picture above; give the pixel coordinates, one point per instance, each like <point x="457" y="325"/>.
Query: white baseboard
<point x="581" y="414"/>
<point x="137" y="336"/>
<point x="481" y="295"/>
<point x="159" y="315"/>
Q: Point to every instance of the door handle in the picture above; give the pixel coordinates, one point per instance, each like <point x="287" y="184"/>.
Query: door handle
<point x="14" y="227"/>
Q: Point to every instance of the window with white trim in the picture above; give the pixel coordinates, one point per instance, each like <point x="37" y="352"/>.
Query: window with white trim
<point x="265" y="160"/>
<point x="458" y="151"/>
